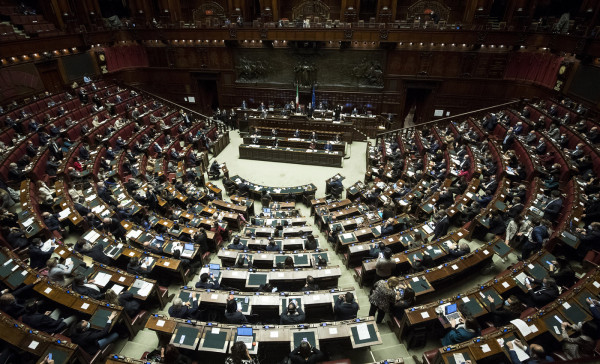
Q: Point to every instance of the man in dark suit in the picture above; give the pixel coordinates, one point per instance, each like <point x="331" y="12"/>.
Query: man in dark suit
<point x="92" y="340"/>
<point x="87" y="289"/>
<point x="49" y="322"/>
<point x="442" y="226"/>
<point x="345" y="307"/>
<point x="541" y="147"/>
<point x="52" y="222"/>
<point x="536" y="239"/>
<point x="84" y="153"/>
<point x="516" y="208"/>
<point x="554" y="207"/>
<point x="38" y="257"/>
<point x="509" y="139"/>
<point x="184" y="310"/>
<point x="207" y="282"/>
<point x="541" y="296"/>
<point x="293" y="315"/>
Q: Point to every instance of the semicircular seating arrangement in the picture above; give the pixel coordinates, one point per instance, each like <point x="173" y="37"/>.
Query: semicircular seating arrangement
<point x="105" y="191"/>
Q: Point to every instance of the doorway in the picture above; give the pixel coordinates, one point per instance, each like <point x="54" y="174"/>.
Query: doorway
<point x="207" y="96"/>
<point x="416" y="103"/>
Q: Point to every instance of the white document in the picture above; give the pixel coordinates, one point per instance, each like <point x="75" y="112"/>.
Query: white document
<point x="215" y="330"/>
<point x="521" y="278"/>
<point x="520" y="353"/>
<point x="459" y="358"/>
<point x="363" y="332"/>
<point x="485" y="348"/>
<point x="102" y="279"/>
<point x="34" y="344"/>
<point x="333" y="331"/>
<point x="522" y="326"/>
<point x="145" y="290"/>
<point x="274" y="334"/>
<point x="160" y="323"/>
<point x="64" y="213"/>
<point x="425" y="314"/>
<point x="117" y="289"/>
<point x="85" y="306"/>
<point x="505" y="284"/>
<point x="427" y="229"/>
<point x="48" y="290"/>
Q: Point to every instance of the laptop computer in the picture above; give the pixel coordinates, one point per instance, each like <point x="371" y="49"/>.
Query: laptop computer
<point x="451" y="312"/>
<point x="214" y="269"/>
<point x="244" y="334"/>
<point x="188" y="250"/>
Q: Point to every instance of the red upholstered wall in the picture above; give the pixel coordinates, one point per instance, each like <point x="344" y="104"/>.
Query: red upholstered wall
<point x="540" y="68"/>
<point x="125" y="56"/>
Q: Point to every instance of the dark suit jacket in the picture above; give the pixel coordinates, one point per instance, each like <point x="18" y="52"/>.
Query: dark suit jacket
<point x="42" y="322"/>
<point x="88" y="340"/>
<point x="441" y="228"/>
<point x="292" y="319"/>
<point x="552" y="210"/>
<point x="86" y="291"/>
<point x="184" y="312"/>
<point x="344" y="310"/>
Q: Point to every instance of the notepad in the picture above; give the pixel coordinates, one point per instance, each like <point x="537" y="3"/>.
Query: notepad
<point x="485" y="348"/>
<point x="425" y="314"/>
<point x="505" y="284"/>
<point x="363" y="332"/>
<point x="215" y="330"/>
<point x="333" y="331"/>
<point x="274" y="334"/>
<point x="33" y="345"/>
<point x="48" y="290"/>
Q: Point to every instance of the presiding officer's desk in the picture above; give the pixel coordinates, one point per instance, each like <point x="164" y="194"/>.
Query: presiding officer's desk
<point x="268" y="307"/>
<point x="285" y="279"/>
<point x="277" y="193"/>
<point x="291" y="155"/>
<point x="295" y="142"/>
<point x="270" y="259"/>
<point x="215" y="337"/>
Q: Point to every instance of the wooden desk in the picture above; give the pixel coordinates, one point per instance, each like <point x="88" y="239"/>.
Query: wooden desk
<point x="291" y="155"/>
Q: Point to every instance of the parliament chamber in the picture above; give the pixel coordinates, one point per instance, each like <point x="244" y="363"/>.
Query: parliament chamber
<point x="302" y="181"/>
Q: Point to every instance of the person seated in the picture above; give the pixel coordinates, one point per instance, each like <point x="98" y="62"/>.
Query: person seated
<point x="561" y="272"/>
<point x="207" y="281"/>
<point x="232" y="314"/>
<point x="461" y="332"/>
<point x="293" y="315"/>
<point x="421" y="264"/>
<point x="239" y="354"/>
<point x="377" y="249"/>
<point x="288" y="263"/>
<point x="542" y="295"/>
<point x="510" y="310"/>
<point x="184" y="310"/>
<point x="305" y="354"/>
<point x="535" y="351"/>
<point x="458" y="250"/>
<point x="310" y="285"/>
<point x="49" y="322"/>
<point x="388" y="227"/>
<point x="345" y="307"/>
<point x="96" y="252"/>
<point x="139" y="267"/>
<point x="86" y="288"/>
<point x="272" y="245"/>
<point x="91" y="340"/>
<point x="580" y="345"/>
<point x="236" y="244"/>
<point x="12" y="303"/>
<point x="58" y="273"/>
<point x="124" y="299"/>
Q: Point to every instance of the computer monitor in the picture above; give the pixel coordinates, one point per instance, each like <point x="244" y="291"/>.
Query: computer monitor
<point x="451" y="308"/>
<point x="189" y="246"/>
<point x="267" y="210"/>
<point x="244" y="331"/>
<point x="212" y="266"/>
